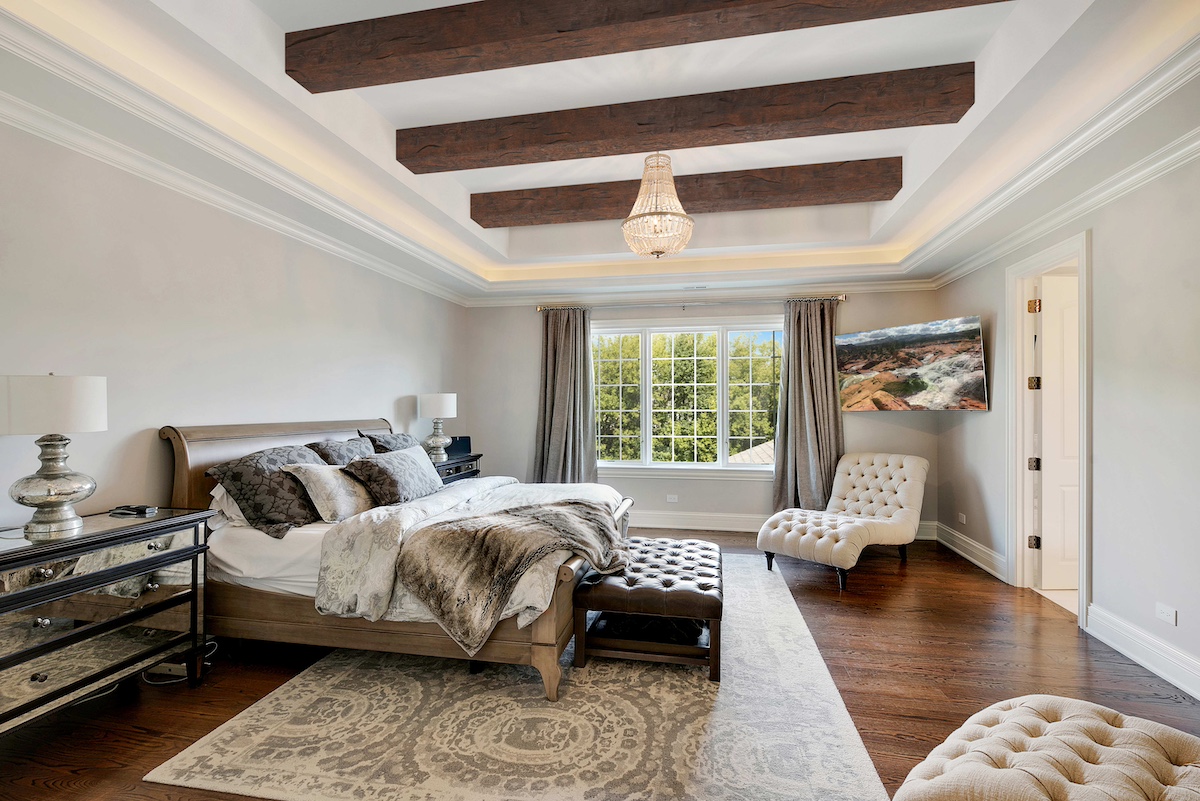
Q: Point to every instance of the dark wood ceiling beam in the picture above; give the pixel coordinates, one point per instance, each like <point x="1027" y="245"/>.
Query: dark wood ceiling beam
<point x="927" y="96"/>
<point x="741" y="190"/>
<point x="495" y="34"/>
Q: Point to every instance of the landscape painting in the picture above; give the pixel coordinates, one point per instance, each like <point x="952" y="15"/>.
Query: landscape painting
<point x="927" y="366"/>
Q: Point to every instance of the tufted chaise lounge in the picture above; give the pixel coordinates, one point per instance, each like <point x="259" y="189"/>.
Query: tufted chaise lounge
<point x="1047" y="748"/>
<point x="876" y="500"/>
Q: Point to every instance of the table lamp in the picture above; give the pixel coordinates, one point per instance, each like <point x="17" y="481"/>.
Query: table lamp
<point x="36" y="404"/>
<point x="439" y="406"/>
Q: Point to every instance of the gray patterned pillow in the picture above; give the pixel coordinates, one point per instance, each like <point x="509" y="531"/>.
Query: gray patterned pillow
<point x="386" y="443"/>
<point x="397" y="477"/>
<point x="336" y="494"/>
<point x="339" y="453"/>
<point x="272" y="501"/>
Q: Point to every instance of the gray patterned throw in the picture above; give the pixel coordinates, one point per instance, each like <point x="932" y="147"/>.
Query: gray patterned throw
<point x="465" y="570"/>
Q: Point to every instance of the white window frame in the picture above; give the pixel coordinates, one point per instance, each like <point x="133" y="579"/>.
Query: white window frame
<point x="723" y="326"/>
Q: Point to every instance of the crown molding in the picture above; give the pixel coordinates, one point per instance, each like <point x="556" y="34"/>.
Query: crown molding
<point x="31" y="119"/>
<point x="1169" y="158"/>
<point x="582" y="295"/>
<point x="59" y="59"/>
<point x="1182" y="67"/>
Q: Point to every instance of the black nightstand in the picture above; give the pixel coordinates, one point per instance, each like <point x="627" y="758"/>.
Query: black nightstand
<point x="459" y="467"/>
<point x="82" y="613"/>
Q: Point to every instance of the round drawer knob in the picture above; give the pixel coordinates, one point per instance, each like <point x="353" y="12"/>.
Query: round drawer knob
<point x="44" y="572"/>
<point x="38" y="677"/>
<point x="155" y="546"/>
<point x="41" y="622"/>
<point x="152" y="586"/>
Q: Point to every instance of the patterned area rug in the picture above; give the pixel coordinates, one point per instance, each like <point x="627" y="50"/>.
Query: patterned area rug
<point x="381" y="727"/>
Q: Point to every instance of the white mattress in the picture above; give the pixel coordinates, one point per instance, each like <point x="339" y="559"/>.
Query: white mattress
<point x="249" y="558"/>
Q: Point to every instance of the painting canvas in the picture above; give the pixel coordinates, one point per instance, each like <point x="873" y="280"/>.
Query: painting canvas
<point x="926" y="366"/>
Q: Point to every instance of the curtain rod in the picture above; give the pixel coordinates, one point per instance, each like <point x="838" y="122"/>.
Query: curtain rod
<point x="842" y="298"/>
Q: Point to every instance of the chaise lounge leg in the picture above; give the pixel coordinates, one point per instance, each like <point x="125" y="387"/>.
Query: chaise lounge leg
<point x="903" y="553"/>
<point x="842" y="575"/>
<point x="770" y="559"/>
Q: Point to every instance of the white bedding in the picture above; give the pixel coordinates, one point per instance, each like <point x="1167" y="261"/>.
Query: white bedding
<point x="247" y="557"/>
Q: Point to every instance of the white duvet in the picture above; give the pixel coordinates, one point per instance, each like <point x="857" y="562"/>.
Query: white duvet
<point x="356" y="558"/>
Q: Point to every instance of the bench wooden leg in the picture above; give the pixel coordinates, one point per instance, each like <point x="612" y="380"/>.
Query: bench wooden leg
<point x="903" y="553"/>
<point x="770" y="559"/>
<point x="714" y="650"/>
<point x="580" y="637"/>
<point x="842" y="576"/>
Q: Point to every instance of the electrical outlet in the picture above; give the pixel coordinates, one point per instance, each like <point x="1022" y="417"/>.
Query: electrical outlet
<point x="962" y="518"/>
<point x="672" y="499"/>
<point x="1166" y="614"/>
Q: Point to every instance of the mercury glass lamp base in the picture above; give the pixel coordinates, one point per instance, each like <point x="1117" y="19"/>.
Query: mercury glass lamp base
<point x="52" y="492"/>
<point x="435" y="444"/>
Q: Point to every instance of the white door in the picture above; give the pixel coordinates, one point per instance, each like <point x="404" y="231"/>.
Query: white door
<point x="1059" y="344"/>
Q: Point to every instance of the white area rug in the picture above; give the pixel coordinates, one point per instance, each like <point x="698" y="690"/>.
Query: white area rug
<point x="382" y="727"/>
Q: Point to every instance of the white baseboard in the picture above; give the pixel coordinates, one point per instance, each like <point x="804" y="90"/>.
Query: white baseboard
<point x="699" y="521"/>
<point x="972" y="551"/>
<point x="927" y="531"/>
<point x="1161" y="658"/>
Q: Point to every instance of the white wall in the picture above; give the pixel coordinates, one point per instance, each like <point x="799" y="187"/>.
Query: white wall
<point x="501" y="370"/>
<point x="1145" y="437"/>
<point x="194" y="315"/>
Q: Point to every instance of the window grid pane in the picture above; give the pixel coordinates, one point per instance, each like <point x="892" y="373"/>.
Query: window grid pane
<point x="753" y="395"/>
<point x="683" y="397"/>
<point x="617" y="384"/>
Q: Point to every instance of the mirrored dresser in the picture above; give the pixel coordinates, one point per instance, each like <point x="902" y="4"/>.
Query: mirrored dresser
<point x="80" y="614"/>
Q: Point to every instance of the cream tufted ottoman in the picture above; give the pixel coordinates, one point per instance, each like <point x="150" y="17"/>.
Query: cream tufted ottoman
<point x="1047" y="748"/>
<point x="876" y="500"/>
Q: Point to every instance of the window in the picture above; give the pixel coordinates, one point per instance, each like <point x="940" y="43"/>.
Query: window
<point x="697" y="395"/>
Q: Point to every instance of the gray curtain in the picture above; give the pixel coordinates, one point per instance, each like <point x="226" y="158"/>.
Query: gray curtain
<point x="566" y="429"/>
<point x="808" y="434"/>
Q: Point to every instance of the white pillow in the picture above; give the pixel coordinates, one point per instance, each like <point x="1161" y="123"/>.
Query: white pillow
<point x="226" y="505"/>
<point x="335" y="494"/>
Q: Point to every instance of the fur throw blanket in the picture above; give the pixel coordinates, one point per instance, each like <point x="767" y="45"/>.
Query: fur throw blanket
<point x="465" y="570"/>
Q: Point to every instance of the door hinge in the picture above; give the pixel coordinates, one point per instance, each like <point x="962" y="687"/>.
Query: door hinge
<point x="1035" y="306"/>
<point x="1035" y="463"/>
<point x="1035" y="382"/>
<point x="1035" y="542"/>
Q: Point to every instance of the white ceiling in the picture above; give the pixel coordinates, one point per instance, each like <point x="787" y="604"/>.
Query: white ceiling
<point x="1044" y="69"/>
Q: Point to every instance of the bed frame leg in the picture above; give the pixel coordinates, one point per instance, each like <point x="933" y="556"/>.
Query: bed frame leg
<point x="545" y="660"/>
<point x="475" y="667"/>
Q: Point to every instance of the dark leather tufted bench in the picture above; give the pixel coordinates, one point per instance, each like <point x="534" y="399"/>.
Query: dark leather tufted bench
<point x="664" y="578"/>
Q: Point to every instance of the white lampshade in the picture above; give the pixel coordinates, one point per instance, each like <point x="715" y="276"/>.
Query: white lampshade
<point x="53" y="404"/>
<point x="441" y="405"/>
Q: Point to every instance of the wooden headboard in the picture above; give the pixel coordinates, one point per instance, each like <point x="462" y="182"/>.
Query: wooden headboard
<point x="198" y="448"/>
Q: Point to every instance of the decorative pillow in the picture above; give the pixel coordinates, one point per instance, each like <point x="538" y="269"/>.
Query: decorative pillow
<point x="336" y="494"/>
<point x="340" y="453"/>
<point x="386" y="443"/>
<point x="397" y="477"/>
<point x="271" y="500"/>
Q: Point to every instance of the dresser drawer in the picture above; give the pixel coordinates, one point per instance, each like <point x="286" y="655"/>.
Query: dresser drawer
<point x="49" y="623"/>
<point x="54" y="570"/>
<point x="76" y="664"/>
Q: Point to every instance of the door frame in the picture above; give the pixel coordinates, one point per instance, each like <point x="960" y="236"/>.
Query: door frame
<point x="1075" y="252"/>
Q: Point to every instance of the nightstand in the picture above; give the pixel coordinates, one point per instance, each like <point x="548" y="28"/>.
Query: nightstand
<point x="82" y="613"/>
<point x="459" y="467"/>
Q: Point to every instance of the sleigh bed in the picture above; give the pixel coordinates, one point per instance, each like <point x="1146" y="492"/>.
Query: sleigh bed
<point x="255" y="613"/>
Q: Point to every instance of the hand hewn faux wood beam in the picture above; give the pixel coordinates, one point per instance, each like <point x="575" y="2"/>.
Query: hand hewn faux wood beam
<point x="494" y="34"/>
<point x="740" y="190"/>
<point x="928" y="96"/>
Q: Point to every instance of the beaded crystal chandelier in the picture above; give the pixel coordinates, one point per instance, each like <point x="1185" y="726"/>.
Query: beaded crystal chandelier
<point x="657" y="226"/>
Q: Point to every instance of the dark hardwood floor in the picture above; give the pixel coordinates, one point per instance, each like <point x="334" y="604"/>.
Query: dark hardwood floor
<point x="914" y="648"/>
